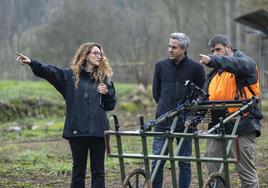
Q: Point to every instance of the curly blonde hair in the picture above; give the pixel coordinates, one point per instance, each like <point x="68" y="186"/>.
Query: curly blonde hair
<point x="100" y="73"/>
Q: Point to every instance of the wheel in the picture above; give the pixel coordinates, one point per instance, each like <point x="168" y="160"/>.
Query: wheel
<point x="214" y="180"/>
<point x="137" y="178"/>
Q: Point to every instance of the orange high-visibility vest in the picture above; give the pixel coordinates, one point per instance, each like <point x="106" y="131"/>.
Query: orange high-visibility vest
<point x="223" y="87"/>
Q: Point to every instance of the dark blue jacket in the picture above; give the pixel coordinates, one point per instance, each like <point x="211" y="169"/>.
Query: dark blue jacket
<point x="84" y="114"/>
<point x="169" y="89"/>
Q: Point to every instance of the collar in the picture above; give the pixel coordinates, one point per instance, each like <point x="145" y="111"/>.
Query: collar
<point x="173" y="62"/>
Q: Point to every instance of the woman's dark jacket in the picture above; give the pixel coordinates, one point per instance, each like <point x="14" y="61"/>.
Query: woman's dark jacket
<point x="244" y="69"/>
<point x="85" y="116"/>
<point x="169" y="86"/>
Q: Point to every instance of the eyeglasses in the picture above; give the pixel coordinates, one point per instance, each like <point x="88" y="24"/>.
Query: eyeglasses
<point x="96" y="53"/>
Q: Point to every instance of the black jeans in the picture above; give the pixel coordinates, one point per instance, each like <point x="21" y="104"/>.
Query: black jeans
<point x="80" y="148"/>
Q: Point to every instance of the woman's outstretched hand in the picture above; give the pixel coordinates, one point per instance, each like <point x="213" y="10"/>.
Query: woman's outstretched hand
<point x="22" y="59"/>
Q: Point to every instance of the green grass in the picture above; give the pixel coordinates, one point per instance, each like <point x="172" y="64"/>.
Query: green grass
<point x="48" y="163"/>
<point x="124" y="89"/>
<point x="32" y="167"/>
<point x="32" y="128"/>
<point x="14" y="90"/>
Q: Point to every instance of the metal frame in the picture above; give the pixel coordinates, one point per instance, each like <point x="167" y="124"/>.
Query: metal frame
<point x="172" y="156"/>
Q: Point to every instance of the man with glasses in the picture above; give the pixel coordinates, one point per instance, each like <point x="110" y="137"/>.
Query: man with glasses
<point x="169" y="90"/>
<point x="234" y="75"/>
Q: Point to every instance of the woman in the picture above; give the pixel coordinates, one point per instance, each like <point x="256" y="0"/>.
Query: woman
<point x="88" y="92"/>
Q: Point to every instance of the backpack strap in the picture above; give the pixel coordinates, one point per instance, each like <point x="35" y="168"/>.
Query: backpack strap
<point x="240" y="91"/>
<point x="251" y="90"/>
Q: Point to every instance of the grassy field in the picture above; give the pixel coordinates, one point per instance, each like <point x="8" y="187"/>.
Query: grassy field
<point x="14" y="90"/>
<point x="47" y="163"/>
<point x="37" y="156"/>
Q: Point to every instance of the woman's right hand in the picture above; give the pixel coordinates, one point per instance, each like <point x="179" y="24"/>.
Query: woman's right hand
<point x="22" y="59"/>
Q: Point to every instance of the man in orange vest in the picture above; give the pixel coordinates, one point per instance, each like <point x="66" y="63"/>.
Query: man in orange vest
<point x="234" y="75"/>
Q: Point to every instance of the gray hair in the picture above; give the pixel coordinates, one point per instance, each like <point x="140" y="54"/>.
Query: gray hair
<point x="184" y="40"/>
<point x="219" y="39"/>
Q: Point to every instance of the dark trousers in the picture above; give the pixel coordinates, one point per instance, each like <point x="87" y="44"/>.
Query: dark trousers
<point x="80" y="148"/>
<point x="185" y="172"/>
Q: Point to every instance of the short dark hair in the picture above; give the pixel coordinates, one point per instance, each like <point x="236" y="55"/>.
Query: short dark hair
<point x="219" y="39"/>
